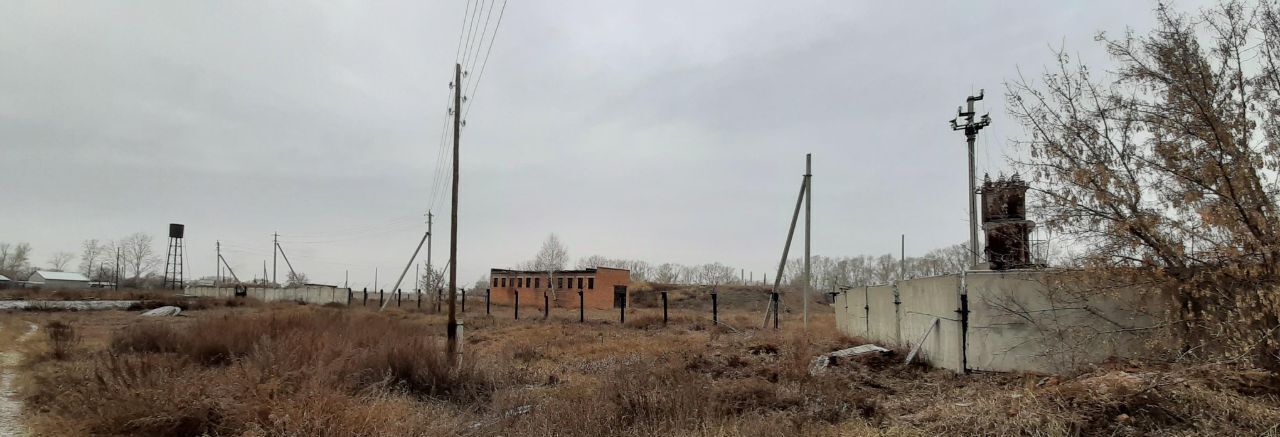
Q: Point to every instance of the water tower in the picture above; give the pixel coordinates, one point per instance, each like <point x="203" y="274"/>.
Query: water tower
<point x="173" y="259"/>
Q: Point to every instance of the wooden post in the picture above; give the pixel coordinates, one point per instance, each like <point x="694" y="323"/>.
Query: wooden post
<point x="397" y="297"/>
<point x="487" y="293"/>
<point x="464" y="300"/>
<point x="517" y="306"/>
<point x="381" y="297"/>
<point x="622" y="312"/>
<point x="582" y="307"/>
<point x="546" y="305"/>
<point x="366" y="297"/>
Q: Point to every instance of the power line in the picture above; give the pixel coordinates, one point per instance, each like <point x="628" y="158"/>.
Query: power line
<point x="472" y="94"/>
<point x="479" y="40"/>
<point x="461" y="30"/>
<point x="470" y="30"/>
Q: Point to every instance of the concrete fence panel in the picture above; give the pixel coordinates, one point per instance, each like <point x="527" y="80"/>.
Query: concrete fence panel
<point x="923" y="301"/>
<point x="1028" y="321"/>
<point x="882" y="314"/>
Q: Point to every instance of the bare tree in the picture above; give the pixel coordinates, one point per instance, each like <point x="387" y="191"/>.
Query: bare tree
<point x="552" y="257"/>
<point x="296" y="279"/>
<point x="15" y="260"/>
<point x="138" y="254"/>
<point x="90" y="252"/>
<point x="58" y="262"/>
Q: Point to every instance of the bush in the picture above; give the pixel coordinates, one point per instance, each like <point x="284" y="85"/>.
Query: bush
<point x="62" y="339"/>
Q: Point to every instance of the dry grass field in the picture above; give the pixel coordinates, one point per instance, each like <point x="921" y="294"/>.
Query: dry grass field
<point x="294" y="370"/>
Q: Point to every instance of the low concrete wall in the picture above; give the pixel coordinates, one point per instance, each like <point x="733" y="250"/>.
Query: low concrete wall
<point x="1038" y="321"/>
<point x="1019" y="321"/>
<point x="311" y="295"/>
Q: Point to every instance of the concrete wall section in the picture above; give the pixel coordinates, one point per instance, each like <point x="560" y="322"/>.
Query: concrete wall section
<point x="924" y="300"/>
<point x="310" y="295"/>
<point x="1025" y="321"/>
<point x="882" y="315"/>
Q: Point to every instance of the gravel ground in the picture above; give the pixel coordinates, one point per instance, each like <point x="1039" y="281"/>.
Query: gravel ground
<point x="10" y="406"/>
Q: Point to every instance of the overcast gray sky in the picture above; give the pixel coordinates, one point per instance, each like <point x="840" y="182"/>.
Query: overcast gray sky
<point x="658" y="130"/>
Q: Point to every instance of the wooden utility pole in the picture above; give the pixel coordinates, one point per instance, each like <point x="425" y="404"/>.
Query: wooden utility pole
<point x="275" y="247"/>
<point x="217" y="278"/>
<point x="431" y="276"/>
<point x="452" y="329"/>
<point x="971" y="129"/>
<point x="808" y="197"/>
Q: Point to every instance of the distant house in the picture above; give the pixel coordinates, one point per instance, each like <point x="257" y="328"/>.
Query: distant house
<point x="46" y="279"/>
<point x="5" y="282"/>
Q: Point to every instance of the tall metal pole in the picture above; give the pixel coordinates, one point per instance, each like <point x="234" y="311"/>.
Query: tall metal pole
<point x="452" y="330"/>
<point x="808" y="197"/>
<point x="971" y="128"/>
<point x="275" y="247"/>
<point x="902" y="259"/>
<point x="217" y="278"/>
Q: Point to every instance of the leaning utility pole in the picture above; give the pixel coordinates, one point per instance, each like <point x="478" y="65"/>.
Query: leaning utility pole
<point x="452" y="330"/>
<point x="217" y="278"/>
<point x="808" y="197"/>
<point x="786" y="249"/>
<point x="971" y="129"/>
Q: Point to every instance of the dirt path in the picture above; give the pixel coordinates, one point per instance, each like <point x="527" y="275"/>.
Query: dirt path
<point x="10" y="406"/>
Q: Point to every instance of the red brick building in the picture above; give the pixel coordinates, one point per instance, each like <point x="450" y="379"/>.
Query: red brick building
<point x="602" y="287"/>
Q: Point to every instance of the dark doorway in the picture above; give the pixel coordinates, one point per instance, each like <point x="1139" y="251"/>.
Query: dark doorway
<point x="619" y="296"/>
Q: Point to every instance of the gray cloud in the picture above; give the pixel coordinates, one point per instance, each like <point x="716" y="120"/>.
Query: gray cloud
<point x="655" y="130"/>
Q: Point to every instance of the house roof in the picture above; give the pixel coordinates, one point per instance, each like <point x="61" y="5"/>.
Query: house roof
<point x="3" y="278"/>
<point x="62" y="276"/>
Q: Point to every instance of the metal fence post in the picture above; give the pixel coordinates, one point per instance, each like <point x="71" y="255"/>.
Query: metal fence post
<point x="715" y="310"/>
<point x="487" y="292"/>
<point x="381" y="296"/>
<point x="517" y="306"/>
<point x="622" y="312"/>
<point x="464" y="300"/>
<point x="417" y="293"/>
<point x="546" y="305"/>
<point x="774" y="299"/>
<point x="664" y="307"/>
<point x="365" y="302"/>
<point x="397" y="297"/>
<point x="582" y="308"/>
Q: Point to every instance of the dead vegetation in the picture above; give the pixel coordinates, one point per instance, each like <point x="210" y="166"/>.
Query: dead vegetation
<point x="309" y="370"/>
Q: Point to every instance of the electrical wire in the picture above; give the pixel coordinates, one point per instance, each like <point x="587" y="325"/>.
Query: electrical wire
<point x="479" y="76"/>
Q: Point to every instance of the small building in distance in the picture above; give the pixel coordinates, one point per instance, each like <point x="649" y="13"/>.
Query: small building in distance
<point x="5" y="282"/>
<point x="602" y="287"/>
<point x="59" y="280"/>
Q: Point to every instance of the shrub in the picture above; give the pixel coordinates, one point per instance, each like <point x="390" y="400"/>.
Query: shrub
<point x="63" y="338"/>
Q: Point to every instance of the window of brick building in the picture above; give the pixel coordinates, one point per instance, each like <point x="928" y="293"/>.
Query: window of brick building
<point x="591" y="283"/>
<point x="537" y="282"/>
<point x="579" y="283"/>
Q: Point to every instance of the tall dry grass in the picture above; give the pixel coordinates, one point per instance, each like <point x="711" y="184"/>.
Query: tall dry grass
<point x="289" y="370"/>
